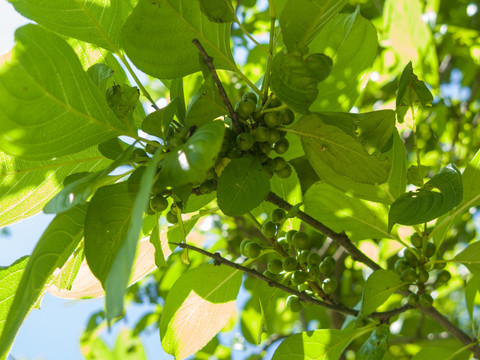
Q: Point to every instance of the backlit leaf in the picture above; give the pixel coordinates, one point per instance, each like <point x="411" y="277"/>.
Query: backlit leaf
<point x="377" y="289"/>
<point x="376" y="345"/>
<point x="157" y="122"/>
<point x="470" y="257"/>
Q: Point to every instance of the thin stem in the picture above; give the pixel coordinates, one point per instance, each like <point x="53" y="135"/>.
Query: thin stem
<point x="208" y="60"/>
<point x="275" y="109"/>
<point x="341" y="238"/>
<point x="247" y="34"/>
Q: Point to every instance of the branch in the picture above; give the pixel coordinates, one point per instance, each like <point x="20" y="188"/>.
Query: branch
<point x="342" y="239"/>
<point x="218" y="260"/>
<point x="208" y="60"/>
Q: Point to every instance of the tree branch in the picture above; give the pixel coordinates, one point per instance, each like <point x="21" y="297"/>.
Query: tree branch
<point x="208" y="60"/>
<point x="342" y="239"/>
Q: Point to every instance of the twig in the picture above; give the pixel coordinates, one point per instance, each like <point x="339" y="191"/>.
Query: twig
<point x="208" y="60"/>
<point x="341" y="238"/>
<point x="218" y="260"/>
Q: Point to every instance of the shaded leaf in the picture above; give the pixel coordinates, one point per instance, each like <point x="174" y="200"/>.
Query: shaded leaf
<point x="377" y="289"/>
<point x="416" y="174"/>
<point x="158" y="122"/>
<point x="219" y="11"/>
<point x="242" y="186"/>
<point x="197" y="307"/>
<point x="376" y="345"/>
<point x="100" y="73"/>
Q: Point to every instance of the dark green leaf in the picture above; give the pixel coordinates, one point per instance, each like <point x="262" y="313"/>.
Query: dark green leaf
<point x="123" y="99"/>
<point x="158" y="122"/>
<point x="197" y="307"/>
<point x="425" y="204"/>
<point x="242" y="186"/>
<point x="172" y="54"/>
<point x="177" y="93"/>
<point x="100" y="73"/>
<point x="219" y="11"/>
<point x="416" y="174"/>
<point x="112" y="148"/>
<point x="376" y="345"/>
<point x="377" y="289"/>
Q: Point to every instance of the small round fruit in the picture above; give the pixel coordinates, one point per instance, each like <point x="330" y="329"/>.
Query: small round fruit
<point x="440" y="265"/>
<point x="270" y="275"/>
<point x="289" y="235"/>
<point x="409" y="275"/>
<point x="444" y="276"/>
<point x="413" y="299"/>
<point x="288" y="117"/>
<point x="301" y="240"/>
<point x="264" y="147"/>
<point x="171" y="217"/>
<point x="250" y="95"/>
<point x="285" y="172"/>
<point x="423" y="276"/>
<point x="411" y="258"/>
<point x="274" y="102"/>
<point x="151" y="148"/>
<point x="327" y="265"/>
<point x="430" y="249"/>
<point x="274" y="136"/>
<point x="281" y="147"/>
<point x="293" y="303"/>
<point x="400" y="265"/>
<point x="206" y="187"/>
<point x="278" y="215"/>
<point x="275" y="266"/>
<point x="158" y="203"/>
<point x="284" y="244"/>
<point x="245" y="141"/>
<point x="280" y="163"/>
<point x="289" y="264"/>
<point x="313" y="272"/>
<point x="252" y="250"/>
<point x="269" y="229"/>
<point x="416" y="240"/>
<point x="245" y="108"/>
<point x="329" y="285"/>
<point x="425" y="300"/>
<point x="313" y="259"/>
<point x="261" y="134"/>
<point x="139" y="154"/>
<point x="175" y="142"/>
<point x="242" y="246"/>
<point x="302" y="257"/>
<point x="298" y="277"/>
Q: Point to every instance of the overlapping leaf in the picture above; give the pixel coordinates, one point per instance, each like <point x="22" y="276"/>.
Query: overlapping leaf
<point x="377" y="289"/>
<point x="470" y="257"/>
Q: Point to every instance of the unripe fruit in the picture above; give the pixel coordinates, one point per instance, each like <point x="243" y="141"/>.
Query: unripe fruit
<point x="400" y="265"/>
<point x="409" y="275"/>
<point x="269" y="229"/>
<point x="288" y="117"/>
<point x="423" y="276"/>
<point x="250" y="95"/>
<point x="264" y="147"/>
<point x="139" y="154"/>
<point x="206" y="187"/>
<point x="443" y="276"/>
<point x="284" y="244"/>
<point x="274" y="136"/>
<point x="440" y="265"/>
<point x="275" y="266"/>
<point x="289" y="235"/>
<point x="278" y="215"/>
<point x="242" y="246"/>
<point x="425" y="300"/>
<point x="245" y="141"/>
<point x="411" y="258"/>
<point x="329" y="285"/>
<point x="413" y="299"/>
<point x="171" y="217"/>
<point x="252" y="250"/>
<point x="285" y="172"/>
<point x="416" y="240"/>
<point x="304" y="287"/>
<point x="327" y="266"/>
<point x="175" y="142"/>
<point x="261" y="134"/>
<point x="270" y="275"/>
<point x="430" y="249"/>
<point x="272" y="119"/>
<point x="313" y="259"/>
<point x="281" y="146"/>
<point x="313" y="272"/>
<point x="298" y="277"/>
<point x="274" y="102"/>
<point x="293" y="303"/>
<point x="279" y="163"/>
<point x="289" y="264"/>
<point x="245" y="108"/>
<point x="301" y="240"/>
<point x="302" y="257"/>
<point x="158" y="203"/>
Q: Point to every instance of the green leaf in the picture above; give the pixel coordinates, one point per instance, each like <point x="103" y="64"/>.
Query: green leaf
<point x="411" y="91"/>
<point x="470" y="257"/>
<point x="377" y="289"/>
<point x="65" y="278"/>
<point x="219" y="11"/>
<point x="416" y="174"/>
<point x="252" y="321"/>
<point x="157" y="243"/>
<point x="197" y="307"/>
<point x="190" y="162"/>
<point x="425" y="204"/>
<point x="293" y="81"/>
<point x="242" y="186"/>
<point x="100" y="73"/>
<point x="351" y="41"/>
<point x="340" y="212"/>
<point x="112" y="148"/>
<point x="319" y="344"/>
<point x="93" y="21"/>
<point x="437" y="352"/>
<point x="26" y="186"/>
<point x="10" y="277"/>
<point x="376" y="345"/>
<point x="79" y="191"/>
<point x="128" y="347"/>
<point x="205" y="105"/>
<point x="172" y="55"/>
<point x="397" y="177"/>
<point x="51" y="107"/>
<point x="302" y="20"/>
<point x="196" y="202"/>
<point x="53" y="249"/>
<point x="328" y="146"/>
<point x="471" y="289"/>
<point x="158" y="122"/>
<point x="471" y="182"/>
<point x="123" y="99"/>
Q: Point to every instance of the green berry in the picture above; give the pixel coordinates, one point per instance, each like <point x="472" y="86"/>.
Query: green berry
<point x="285" y="172"/>
<point x="288" y="117"/>
<point x="270" y="275"/>
<point x="416" y="240"/>
<point x="298" y="277"/>
<point x="302" y="257"/>
<point x="400" y="265"/>
<point x="158" y="203"/>
<point x="206" y="187"/>
<point x="329" y="285"/>
<point x="171" y="217"/>
<point x="278" y="215"/>
<point x="279" y="163"/>
<point x="250" y="95"/>
<point x="269" y="229"/>
<point x="274" y="136"/>
<point x="423" y="276"/>
<point x="293" y="303"/>
<point x="261" y="134"/>
<point x="430" y="249"/>
<point x="425" y="300"/>
<point x="411" y="258"/>
<point x="440" y="265"/>
<point x="242" y="246"/>
<point x="252" y="250"/>
<point x="281" y="147"/>
<point x="274" y="102"/>
<point x="313" y="272"/>
<point x="443" y="276"/>
<point x="264" y="147"/>
<point x="245" y="141"/>
<point x="327" y="266"/>
<point x="289" y="235"/>
<point x="284" y="244"/>
<point x="139" y="154"/>
<point x="275" y="266"/>
<point x="413" y="299"/>
<point x="245" y="108"/>
<point x="409" y="275"/>
<point x="301" y="240"/>
<point x="289" y="264"/>
<point x="272" y="119"/>
<point x="313" y="259"/>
